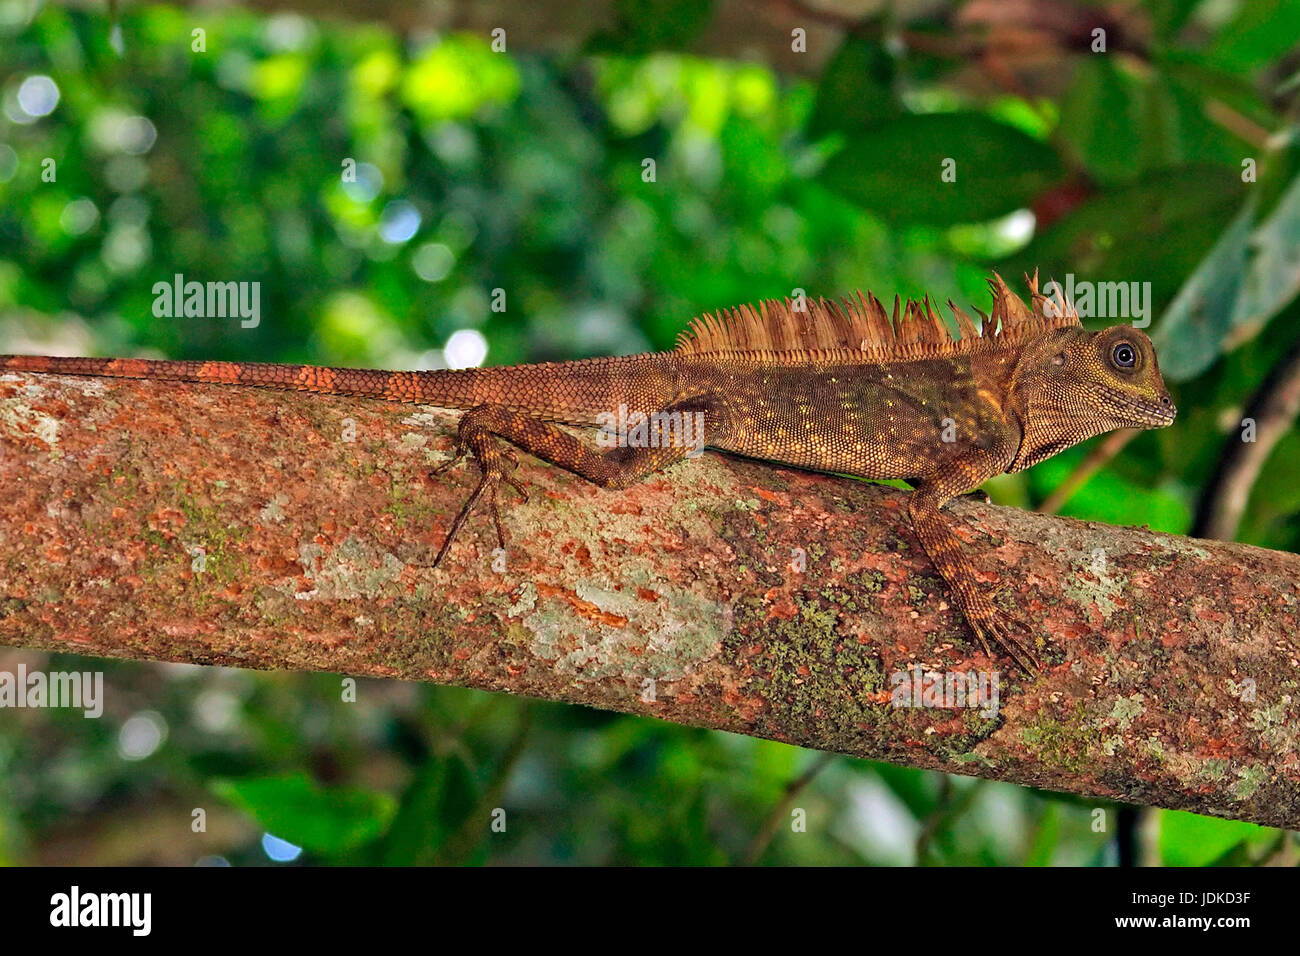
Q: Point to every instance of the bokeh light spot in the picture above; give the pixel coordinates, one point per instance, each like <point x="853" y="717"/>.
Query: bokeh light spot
<point x="467" y="348"/>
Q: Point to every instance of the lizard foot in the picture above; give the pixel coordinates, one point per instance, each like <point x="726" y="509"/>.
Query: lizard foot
<point x="490" y="455"/>
<point x="1012" y="637"/>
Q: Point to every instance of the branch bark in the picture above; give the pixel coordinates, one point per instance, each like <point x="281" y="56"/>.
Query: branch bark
<point x="1173" y="662"/>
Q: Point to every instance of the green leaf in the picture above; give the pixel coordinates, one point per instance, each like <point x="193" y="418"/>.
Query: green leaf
<point x="294" y="808"/>
<point x="1199" y="73"/>
<point x="1047" y="837"/>
<point x="1185" y="134"/>
<point x="433" y="806"/>
<point x="1110" y="497"/>
<point x="1247" y="279"/>
<point x="1260" y="33"/>
<point x="1168" y="16"/>
<point x="1189" y="839"/>
<point x="1101" y="119"/>
<point x="643" y="26"/>
<point x="915" y="788"/>
<point x="856" y="88"/>
<point x="1274" y="275"/>
<point x="1192" y="332"/>
<point x="1155" y="230"/>
<point x="895" y="169"/>
<point x="1122" y="124"/>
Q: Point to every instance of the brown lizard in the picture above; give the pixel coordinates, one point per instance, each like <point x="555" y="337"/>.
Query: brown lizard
<point x="843" y="388"/>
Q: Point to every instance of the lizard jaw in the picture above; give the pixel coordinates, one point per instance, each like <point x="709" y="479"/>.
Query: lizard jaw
<point x="1137" y="413"/>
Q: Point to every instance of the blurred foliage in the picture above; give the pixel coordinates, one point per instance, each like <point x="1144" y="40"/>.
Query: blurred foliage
<point x="479" y="171"/>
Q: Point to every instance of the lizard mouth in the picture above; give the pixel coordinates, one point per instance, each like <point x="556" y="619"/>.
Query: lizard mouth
<point x="1139" y="413"/>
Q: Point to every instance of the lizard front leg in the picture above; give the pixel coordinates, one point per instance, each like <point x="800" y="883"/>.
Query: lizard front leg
<point x="482" y="428"/>
<point x="944" y="550"/>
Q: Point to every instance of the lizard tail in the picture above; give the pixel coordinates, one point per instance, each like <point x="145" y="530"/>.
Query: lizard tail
<point x="573" y="392"/>
<point x="309" y="378"/>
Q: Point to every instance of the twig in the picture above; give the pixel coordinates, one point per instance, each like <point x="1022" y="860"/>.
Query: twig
<point x="781" y="810"/>
<point x="470" y="832"/>
<point x="1241" y="126"/>
<point x="1096" y="459"/>
<point x="1274" y="409"/>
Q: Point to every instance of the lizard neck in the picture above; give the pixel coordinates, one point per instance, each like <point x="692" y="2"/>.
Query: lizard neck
<point x="1049" y="424"/>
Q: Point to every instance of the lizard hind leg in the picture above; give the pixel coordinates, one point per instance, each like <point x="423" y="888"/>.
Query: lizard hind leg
<point x="483" y="428"/>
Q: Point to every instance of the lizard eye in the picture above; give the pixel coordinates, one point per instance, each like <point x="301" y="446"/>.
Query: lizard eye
<point x="1124" y="355"/>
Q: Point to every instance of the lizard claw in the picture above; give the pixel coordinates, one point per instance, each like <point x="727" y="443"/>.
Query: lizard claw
<point x="496" y="516"/>
<point x="519" y="489"/>
<point x="1002" y="632"/>
<point x="457" y="457"/>
<point x="460" y="520"/>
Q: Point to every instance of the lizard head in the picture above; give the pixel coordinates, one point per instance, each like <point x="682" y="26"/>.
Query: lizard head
<point x="1073" y="384"/>
<point x="1115" y="378"/>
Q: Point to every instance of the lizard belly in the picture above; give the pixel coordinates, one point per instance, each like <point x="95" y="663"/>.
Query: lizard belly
<point x="866" y="456"/>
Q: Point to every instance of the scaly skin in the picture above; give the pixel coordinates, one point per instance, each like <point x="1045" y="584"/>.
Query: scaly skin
<point x="848" y="391"/>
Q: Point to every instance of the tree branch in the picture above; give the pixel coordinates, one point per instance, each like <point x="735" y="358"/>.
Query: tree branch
<point x="1173" y="663"/>
<point x="1274" y="409"/>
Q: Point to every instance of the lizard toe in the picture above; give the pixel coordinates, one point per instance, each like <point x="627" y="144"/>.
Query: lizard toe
<point x="517" y="486"/>
<point x="457" y="457"/>
<point x="493" y="460"/>
<point x="1003" y="631"/>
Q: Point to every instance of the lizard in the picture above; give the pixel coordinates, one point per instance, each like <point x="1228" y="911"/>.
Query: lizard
<point x="838" y="387"/>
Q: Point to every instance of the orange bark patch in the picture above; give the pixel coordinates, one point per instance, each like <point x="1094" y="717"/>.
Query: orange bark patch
<point x="584" y="609"/>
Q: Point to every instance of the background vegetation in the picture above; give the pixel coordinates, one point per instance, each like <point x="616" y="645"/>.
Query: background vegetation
<point x="522" y="171"/>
